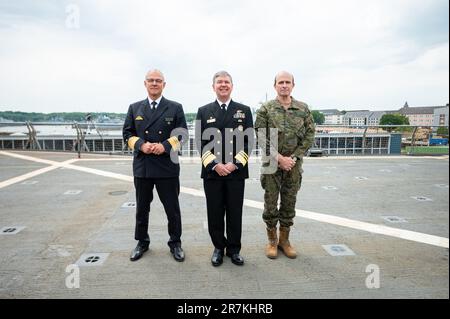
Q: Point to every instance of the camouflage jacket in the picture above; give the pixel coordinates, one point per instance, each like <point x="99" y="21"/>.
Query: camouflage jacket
<point x="295" y="126"/>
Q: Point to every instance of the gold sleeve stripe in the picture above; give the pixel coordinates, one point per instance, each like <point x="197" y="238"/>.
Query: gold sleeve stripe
<point x="244" y="154"/>
<point x="241" y="159"/>
<point x="132" y="141"/>
<point x="206" y="155"/>
<point x="208" y="159"/>
<point x="174" y="143"/>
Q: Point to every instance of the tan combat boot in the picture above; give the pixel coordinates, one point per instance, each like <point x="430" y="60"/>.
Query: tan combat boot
<point x="284" y="244"/>
<point x="271" y="247"/>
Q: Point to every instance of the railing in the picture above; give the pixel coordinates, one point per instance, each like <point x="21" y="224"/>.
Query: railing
<point x="66" y="137"/>
<point x="331" y="140"/>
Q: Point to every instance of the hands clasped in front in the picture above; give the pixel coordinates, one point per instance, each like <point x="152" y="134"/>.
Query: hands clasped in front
<point x="152" y="148"/>
<point x="286" y="163"/>
<point x="224" y="169"/>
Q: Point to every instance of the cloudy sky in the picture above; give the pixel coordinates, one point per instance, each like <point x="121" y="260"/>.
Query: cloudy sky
<point x="91" y="56"/>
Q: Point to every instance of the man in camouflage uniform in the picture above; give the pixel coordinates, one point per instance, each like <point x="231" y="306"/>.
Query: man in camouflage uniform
<point x="295" y="130"/>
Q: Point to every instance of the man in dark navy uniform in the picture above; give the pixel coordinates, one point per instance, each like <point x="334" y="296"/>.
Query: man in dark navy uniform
<point x="225" y="147"/>
<point x="149" y="131"/>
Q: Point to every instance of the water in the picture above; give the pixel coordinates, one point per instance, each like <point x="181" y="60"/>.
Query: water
<point x="56" y="130"/>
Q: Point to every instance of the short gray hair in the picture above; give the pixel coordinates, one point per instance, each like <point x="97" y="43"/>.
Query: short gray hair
<point x="157" y="71"/>
<point x="222" y="73"/>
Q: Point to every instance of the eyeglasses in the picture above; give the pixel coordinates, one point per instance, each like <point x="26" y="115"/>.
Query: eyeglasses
<point x="157" y="81"/>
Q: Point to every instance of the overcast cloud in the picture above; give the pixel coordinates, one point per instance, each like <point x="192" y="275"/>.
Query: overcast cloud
<point x="347" y="54"/>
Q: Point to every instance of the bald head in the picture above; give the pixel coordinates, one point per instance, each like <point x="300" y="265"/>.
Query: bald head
<point x="284" y="84"/>
<point x="283" y="74"/>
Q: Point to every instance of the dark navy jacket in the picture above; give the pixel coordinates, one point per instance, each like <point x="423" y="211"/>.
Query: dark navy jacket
<point x="237" y="119"/>
<point x="142" y="124"/>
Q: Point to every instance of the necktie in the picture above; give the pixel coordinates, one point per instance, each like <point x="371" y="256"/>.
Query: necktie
<point x="223" y="110"/>
<point x="154" y="105"/>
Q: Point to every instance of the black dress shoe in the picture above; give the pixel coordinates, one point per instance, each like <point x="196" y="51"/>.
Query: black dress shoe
<point x="177" y="253"/>
<point x="138" y="252"/>
<point x="236" y="259"/>
<point x="217" y="257"/>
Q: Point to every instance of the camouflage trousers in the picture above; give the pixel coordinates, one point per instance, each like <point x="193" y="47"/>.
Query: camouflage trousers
<point x="285" y="185"/>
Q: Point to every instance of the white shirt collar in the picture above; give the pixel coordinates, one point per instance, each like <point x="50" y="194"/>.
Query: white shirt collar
<point x="158" y="100"/>
<point x="227" y="103"/>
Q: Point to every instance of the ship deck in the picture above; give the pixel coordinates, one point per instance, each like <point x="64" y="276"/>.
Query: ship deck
<point x="366" y="227"/>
